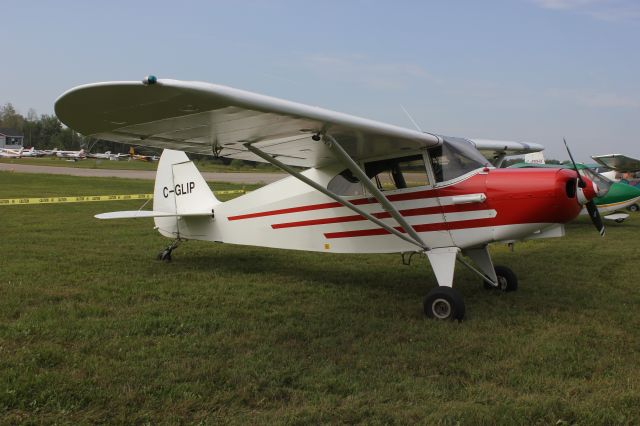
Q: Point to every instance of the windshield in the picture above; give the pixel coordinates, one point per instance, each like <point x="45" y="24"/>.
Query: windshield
<point x="454" y="158"/>
<point x="603" y="182"/>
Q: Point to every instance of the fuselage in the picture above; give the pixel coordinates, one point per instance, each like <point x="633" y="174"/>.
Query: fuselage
<point x="480" y="207"/>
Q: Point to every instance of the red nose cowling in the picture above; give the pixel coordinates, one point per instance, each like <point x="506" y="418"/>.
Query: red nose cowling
<point x="524" y="195"/>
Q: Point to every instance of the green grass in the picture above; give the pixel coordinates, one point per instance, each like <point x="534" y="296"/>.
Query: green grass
<point x="94" y="330"/>
<point x="92" y="163"/>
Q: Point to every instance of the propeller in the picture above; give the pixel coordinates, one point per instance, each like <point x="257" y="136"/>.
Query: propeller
<point x="594" y="214"/>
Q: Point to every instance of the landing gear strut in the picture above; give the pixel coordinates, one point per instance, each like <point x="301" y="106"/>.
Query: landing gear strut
<point x="165" y="255"/>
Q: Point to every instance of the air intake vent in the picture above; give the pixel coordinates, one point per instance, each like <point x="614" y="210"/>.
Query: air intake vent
<point x="570" y="188"/>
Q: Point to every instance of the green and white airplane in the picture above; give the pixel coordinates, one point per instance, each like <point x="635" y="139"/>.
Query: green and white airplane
<point x="620" y="168"/>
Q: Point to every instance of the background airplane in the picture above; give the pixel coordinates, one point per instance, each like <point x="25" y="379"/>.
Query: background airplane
<point x="11" y="153"/>
<point x="71" y="155"/>
<point x="140" y="157"/>
<point x="620" y="168"/>
<point x="108" y="155"/>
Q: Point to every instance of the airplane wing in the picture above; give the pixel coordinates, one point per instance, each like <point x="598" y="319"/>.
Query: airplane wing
<point x="492" y="149"/>
<point x="205" y="118"/>
<point x="211" y="119"/>
<point x="618" y="162"/>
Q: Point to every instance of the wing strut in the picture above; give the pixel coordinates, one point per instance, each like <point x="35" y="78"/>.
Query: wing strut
<point x="334" y="146"/>
<point x="268" y="158"/>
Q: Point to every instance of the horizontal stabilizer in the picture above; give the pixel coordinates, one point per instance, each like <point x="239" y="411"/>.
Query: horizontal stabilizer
<point x="136" y="214"/>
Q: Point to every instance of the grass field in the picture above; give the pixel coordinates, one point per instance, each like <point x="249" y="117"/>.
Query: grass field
<point x="94" y="330"/>
<point x="93" y="163"/>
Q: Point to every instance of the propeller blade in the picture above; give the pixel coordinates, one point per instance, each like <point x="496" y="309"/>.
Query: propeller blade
<point x="594" y="214"/>
<point x="575" y="167"/>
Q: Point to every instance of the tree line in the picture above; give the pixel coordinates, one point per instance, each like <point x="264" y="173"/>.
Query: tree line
<point x="47" y="132"/>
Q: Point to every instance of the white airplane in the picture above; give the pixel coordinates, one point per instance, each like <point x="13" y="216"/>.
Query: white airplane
<point x="71" y="155"/>
<point x="100" y="155"/>
<point x="368" y="187"/>
<point x="108" y="155"/>
<point x="11" y="153"/>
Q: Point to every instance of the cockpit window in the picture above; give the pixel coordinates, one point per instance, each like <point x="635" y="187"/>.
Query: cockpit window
<point x="398" y="173"/>
<point x="345" y="184"/>
<point x="454" y="158"/>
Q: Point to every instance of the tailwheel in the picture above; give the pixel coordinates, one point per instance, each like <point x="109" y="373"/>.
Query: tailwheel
<point x="507" y="280"/>
<point x="165" y="255"/>
<point x="444" y="303"/>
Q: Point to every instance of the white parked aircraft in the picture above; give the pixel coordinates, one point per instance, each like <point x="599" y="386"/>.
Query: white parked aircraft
<point x="368" y="187"/>
<point x="108" y="155"/>
<point x="71" y="155"/>
<point x="11" y="153"/>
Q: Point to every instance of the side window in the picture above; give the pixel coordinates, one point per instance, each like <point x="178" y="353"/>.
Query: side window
<point x="345" y="184"/>
<point x="398" y="173"/>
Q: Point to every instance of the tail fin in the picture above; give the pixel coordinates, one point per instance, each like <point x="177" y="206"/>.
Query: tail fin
<point x="180" y="189"/>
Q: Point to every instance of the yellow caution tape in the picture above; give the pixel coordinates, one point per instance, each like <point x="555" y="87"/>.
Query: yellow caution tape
<point x="87" y="198"/>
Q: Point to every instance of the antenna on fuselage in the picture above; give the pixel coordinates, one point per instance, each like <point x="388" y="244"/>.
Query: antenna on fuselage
<point x="411" y="118"/>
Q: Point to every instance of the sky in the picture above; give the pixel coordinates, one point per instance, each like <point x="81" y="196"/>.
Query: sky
<point x="523" y="70"/>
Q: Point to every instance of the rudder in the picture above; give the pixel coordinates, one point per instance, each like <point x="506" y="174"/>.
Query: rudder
<point x="181" y="189"/>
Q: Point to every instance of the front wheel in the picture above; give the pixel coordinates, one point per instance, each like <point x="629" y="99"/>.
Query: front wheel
<point x="444" y="303"/>
<point x="633" y="208"/>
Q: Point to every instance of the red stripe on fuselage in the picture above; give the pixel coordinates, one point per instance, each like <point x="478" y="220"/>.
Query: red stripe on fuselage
<point x="422" y="211"/>
<point x="425" y="227"/>
<point x="359" y="201"/>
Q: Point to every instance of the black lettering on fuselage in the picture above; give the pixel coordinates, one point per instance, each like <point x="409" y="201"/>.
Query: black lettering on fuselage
<point x="179" y="189"/>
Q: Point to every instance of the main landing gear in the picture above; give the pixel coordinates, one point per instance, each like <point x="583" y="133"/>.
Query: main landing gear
<point x="446" y="303"/>
<point x="165" y="255"/>
<point x="507" y="280"/>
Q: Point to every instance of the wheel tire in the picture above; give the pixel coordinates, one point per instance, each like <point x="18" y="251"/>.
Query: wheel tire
<point x="444" y="303"/>
<point x="507" y="280"/>
<point x="633" y="208"/>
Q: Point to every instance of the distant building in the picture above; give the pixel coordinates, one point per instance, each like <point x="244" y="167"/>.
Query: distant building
<point x="11" y="138"/>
